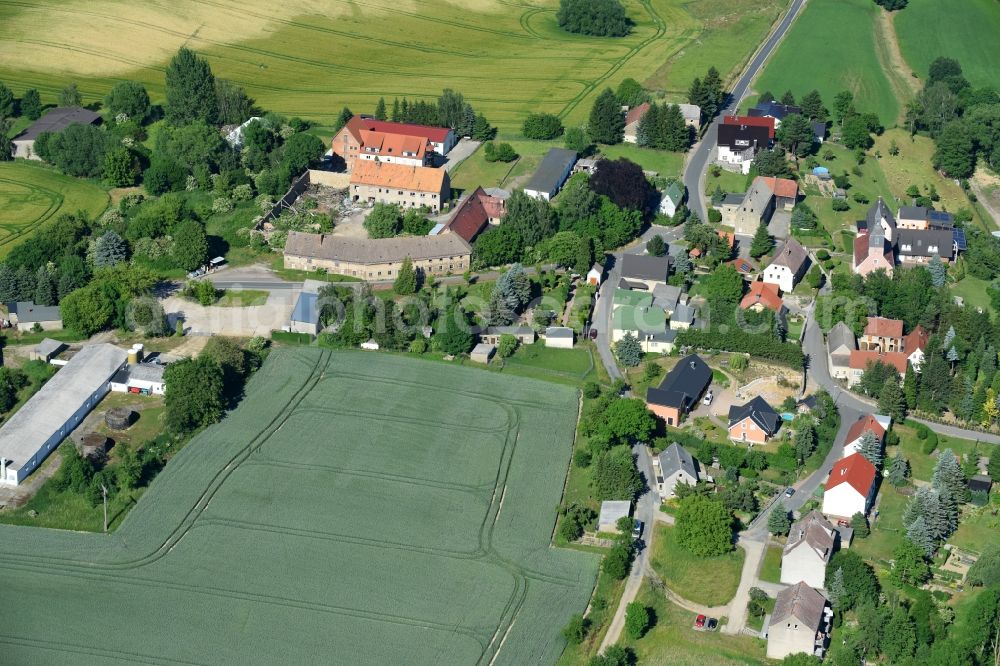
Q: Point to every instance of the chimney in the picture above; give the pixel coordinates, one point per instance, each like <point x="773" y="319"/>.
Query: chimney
<point x="693" y="365"/>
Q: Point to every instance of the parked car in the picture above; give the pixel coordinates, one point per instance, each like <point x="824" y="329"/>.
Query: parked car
<point x="713" y="624"/>
<point x="636" y="529"/>
<point x="843" y="523"/>
<point x="593" y="334"/>
<point x="699" y="622"/>
<point x="707" y="400"/>
<point x="789" y="491"/>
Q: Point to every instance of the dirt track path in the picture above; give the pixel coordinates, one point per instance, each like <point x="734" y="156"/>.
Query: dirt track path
<point x="896" y="69"/>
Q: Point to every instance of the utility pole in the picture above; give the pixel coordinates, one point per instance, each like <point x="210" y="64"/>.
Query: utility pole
<point x="104" y="492"/>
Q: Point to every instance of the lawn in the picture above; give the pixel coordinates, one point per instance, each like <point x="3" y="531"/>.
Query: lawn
<point x="912" y="166"/>
<point x="673" y="641"/>
<point x="979" y="527"/>
<point x="888" y="530"/>
<point x="577" y="362"/>
<point x="475" y="170"/>
<point x="688" y="575"/>
<point x="31" y="194"/>
<point x="964" y="30"/>
<point x="731" y="183"/>
<point x="665" y="163"/>
<point x="770" y="570"/>
<point x="386" y="528"/>
<point x="242" y="298"/>
<point x="830" y="48"/>
<point x="973" y="291"/>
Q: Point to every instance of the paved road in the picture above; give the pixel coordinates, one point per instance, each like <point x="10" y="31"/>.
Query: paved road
<point x="694" y="174"/>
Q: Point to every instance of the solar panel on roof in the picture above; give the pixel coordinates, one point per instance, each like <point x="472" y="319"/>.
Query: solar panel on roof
<point x="958" y="235"/>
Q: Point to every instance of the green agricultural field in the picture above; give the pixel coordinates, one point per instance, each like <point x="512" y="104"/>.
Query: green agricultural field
<point x="31" y="194"/>
<point x="965" y="30"/>
<point x="307" y="59"/>
<point x="348" y="508"/>
<point x="831" y="47"/>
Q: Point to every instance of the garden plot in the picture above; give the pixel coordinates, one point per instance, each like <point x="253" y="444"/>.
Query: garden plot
<point x="373" y="507"/>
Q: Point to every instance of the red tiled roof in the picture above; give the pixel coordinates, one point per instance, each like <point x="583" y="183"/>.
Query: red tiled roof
<point x="401" y="176"/>
<point x="863" y="424"/>
<point x="727" y="236"/>
<point x="434" y="134"/>
<point x="392" y="145"/>
<point x="881" y="327"/>
<point x="860" y="359"/>
<point x="782" y="188"/>
<point x="636" y="113"/>
<point x="916" y="339"/>
<point x="755" y="121"/>
<point x="743" y="266"/>
<point x="471" y="217"/>
<point x="765" y="294"/>
<point x="854" y="470"/>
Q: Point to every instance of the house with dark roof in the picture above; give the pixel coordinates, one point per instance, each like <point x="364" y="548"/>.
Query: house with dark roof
<point x="680" y="390"/>
<point x="754" y="422"/>
<point x="645" y="269"/>
<point x="755" y="209"/>
<point x="25" y="315"/>
<point x="788" y="266"/>
<point x="738" y="144"/>
<point x="674" y="465"/>
<point x="819" y="131"/>
<point x="525" y="335"/>
<point x="840" y="342"/>
<point x="811" y="543"/>
<point x="919" y="235"/>
<point x="801" y="622"/>
<point x="851" y="487"/>
<point x="475" y="213"/>
<point x="550" y="175"/>
<point x="54" y="120"/>
<point x="774" y="110"/>
<point x="305" y="314"/>
<point x="915" y="246"/>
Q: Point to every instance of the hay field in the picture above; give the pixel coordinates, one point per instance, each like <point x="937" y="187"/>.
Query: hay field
<point x="356" y="508"/>
<point x="31" y="195"/>
<point x="965" y="30"/>
<point x="831" y="47"/>
<point x="311" y="57"/>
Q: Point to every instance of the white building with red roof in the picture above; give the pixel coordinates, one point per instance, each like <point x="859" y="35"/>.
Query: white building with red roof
<point x="868" y="423"/>
<point x="632" y="119"/>
<point x="850" y="488"/>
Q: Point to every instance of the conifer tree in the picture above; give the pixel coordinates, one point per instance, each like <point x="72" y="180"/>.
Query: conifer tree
<point x="607" y="123"/>
<point x="761" y="243"/>
<point x="919" y="534"/>
<point x="871" y="449"/>
<point x="899" y="471"/>
<point x="676" y="136"/>
<point x="380" y="113"/>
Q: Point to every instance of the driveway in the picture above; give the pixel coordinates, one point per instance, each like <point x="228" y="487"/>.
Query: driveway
<point x="459" y="153"/>
<point x="236" y="321"/>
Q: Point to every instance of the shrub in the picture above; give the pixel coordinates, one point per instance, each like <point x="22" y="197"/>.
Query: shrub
<point x="714" y="215"/>
<point x="576" y="629"/>
<point x="222" y="205"/>
<point x="499" y="152"/>
<point x="542" y="126"/>
<point x="243" y="192"/>
<point x="839" y="205"/>
<point x="822" y="255"/>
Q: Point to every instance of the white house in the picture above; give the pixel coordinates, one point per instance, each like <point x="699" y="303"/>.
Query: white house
<point x="674" y="465"/>
<point x="801" y="622"/>
<point x="868" y="423"/>
<point x="142" y="378"/>
<point x="671" y="199"/>
<point x="560" y="337"/>
<point x="788" y="266"/>
<point x="36" y="429"/>
<point x="595" y="275"/>
<point x="810" y="546"/>
<point x="611" y="513"/>
<point x="850" y="488"/>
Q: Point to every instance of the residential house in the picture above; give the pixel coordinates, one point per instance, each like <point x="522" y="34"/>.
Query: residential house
<point x="551" y="173"/>
<point x="611" y="512"/>
<point x="865" y="424"/>
<point x="25" y="315"/>
<point x="35" y="430"/>
<point x="405" y="186"/>
<point x="482" y="353"/>
<point x="761" y="296"/>
<point x="674" y="465"/>
<point x="491" y="334"/>
<point x="921" y="218"/>
<point x="560" y="337"/>
<point x="788" y="265"/>
<point x="738" y="145"/>
<point x="801" y="622"/>
<point x="394" y="148"/>
<point x="55" y="120"/>
<point x="474" y="214"/>
<point x="920" y="246"/>
<point x="595" y="275"/>
<point x="142" y="378"/>
<point x="774" y="110"/>
<point x="850" y="488"/>
<point x="860" y="359"/>
<point x="882" y="334"/>
<point x="810" y="545"/>
<point x="680" y="389"/>
<point x="672" y="197"/>
<point x="349" y="143"/>
<point x="914" y="344"/>
<point x="305" y="314"/>
<point x="628" y="297"/>
<point x="840" y="342"/>
<point x="683" y="316"/>
<point x="646" y="270"/>
<point x="755" y="209"/>
<point x="819" y="131"/>
<point x="667" y="297"/>
<point x="917" y="237"/>
<point x="376" y="258"/>
<point x="729" y="207"/>
<point x="632" y="119"/>
<point x="647" y="324"/>
<point x="754" y="121"/>
<point x="692" y="115"/>
<point x="754" y="422"/>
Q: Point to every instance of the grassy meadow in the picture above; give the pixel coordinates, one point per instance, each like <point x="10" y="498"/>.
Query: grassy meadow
<point x="384" y="528"/>
<point x="830" y="48"/>
<point x="31" y="194"/>
<point x="297" y="59"/>
<point x="965" y="30"/>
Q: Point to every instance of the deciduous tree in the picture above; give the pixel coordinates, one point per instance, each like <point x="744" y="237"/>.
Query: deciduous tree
<point x="704" y="526"/>
<point x="194" y="393"/>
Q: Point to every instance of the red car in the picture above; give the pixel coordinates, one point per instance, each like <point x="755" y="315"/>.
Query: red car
<point x="699" y="622"/>
<point x="593" y="334"/>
